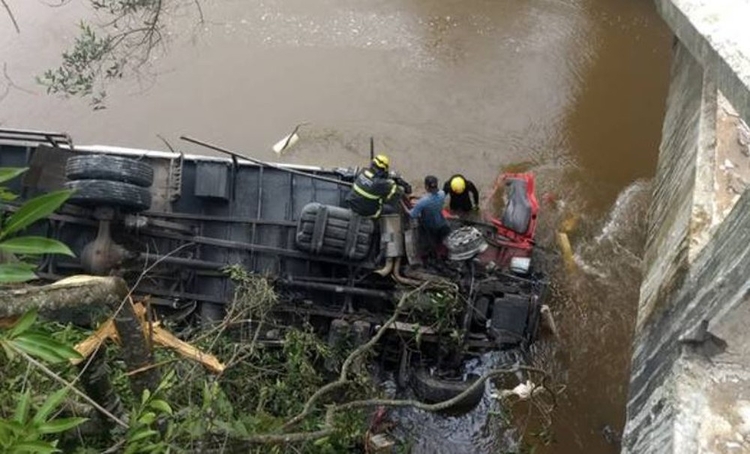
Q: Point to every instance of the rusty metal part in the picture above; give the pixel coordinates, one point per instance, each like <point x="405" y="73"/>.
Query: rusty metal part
<point x="387" y="269"/>
<point x="138" y="222"/>
<point x="102" y="255"/>
<point x="401" y="279"/>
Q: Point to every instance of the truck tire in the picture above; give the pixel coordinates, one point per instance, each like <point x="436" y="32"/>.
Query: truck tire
<point x="112" y="168"/>
<point x="434" y="390"/>
<point x="109" y="193"/>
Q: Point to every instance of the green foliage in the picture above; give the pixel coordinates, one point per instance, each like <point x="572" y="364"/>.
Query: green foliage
<point x="192" y="410"/>
<point x="99" y="57"/>
<point x="83" y="65"/>
<point x="30" y="212"/>
<point x="144" y="434"/>
<point x="22" y="431"/>
<point x="441" y="311"/>
<point x="22" y="338"/>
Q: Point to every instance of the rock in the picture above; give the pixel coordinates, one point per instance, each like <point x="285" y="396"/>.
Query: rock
<point x="380" y="444"/>
<point x="737" y="184"/>
<point x="743" y="137"/>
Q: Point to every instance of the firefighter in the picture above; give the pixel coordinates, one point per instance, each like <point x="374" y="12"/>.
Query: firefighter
<point x="464" y="196"/>
<point x="373" y="189"/>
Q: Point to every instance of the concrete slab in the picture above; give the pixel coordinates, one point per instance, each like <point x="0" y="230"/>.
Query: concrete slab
<point x="717" y="33"/>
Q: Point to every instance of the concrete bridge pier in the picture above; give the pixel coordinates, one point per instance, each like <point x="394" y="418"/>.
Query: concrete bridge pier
<point x="690" y="372"/>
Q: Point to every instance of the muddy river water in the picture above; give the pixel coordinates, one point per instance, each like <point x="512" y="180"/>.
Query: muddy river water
<point x="571" y="89"/>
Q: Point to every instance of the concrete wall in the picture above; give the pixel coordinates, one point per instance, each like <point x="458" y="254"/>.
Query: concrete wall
<point x="690" y="373"/>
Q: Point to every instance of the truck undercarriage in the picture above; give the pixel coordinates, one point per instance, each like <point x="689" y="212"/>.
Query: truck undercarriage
<point x="186" y="219"/>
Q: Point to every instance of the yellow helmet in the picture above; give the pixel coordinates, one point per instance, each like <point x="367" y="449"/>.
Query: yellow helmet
<point x="458" y="185"/>
<point x="381" y="161"/>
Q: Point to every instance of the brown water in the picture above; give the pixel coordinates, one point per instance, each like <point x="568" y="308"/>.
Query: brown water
<point x="575" y="88"/>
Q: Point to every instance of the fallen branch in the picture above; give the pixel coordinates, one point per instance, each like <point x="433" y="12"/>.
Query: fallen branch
<point x="67" y="293"/>
<point x="328" y="429"/>
<point x="342" y="380"/>
<point x="158" y="336"/>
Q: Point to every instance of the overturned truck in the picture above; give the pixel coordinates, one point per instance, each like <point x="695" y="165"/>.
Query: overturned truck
<point x="187" y="218"/>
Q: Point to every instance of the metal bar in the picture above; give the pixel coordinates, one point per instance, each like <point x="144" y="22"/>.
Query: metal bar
<point x="182" y="261"/>
<point x="341" y="289"/>
<point x="35" y="136"/>
<point x="249" y="247"/>
<point x="31" y="132"/>
<point x="258" y="211"/>
<point x="176" y="294"/>
<point x="262" y="163"/>
<point x="207" y="218"/>
<point x="289" y="216"/>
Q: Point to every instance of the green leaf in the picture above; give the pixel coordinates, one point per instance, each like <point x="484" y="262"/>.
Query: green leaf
<point x="61" y="349"/>
<point x="145" y="396"/>
<point x="37" y="447"/>
<point x="35" y="245"/>
<point x="49" y="405"/>
<point x="60" y="425"/>
<point x="321" y="441"/>
<point x="23" y="324"/>
<point x="15" y="273"/>
<point x="22" y="408"/>
<point x="35" y="349"/>
<point x="9" y="352"/>
<point x="161" y="406"/>
<point x="11" y="426"/>
<point x="8" y="173"/>
<point x="6" y="195"/>
<point x="147" y="418"/>
<point x="141" y="434"/>
<point x="34" y="210"/>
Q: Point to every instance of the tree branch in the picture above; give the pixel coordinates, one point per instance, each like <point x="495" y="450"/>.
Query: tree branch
<point x="75" y="291"/>
<point x="10" y="14"/>
<point x="342" y="380"/>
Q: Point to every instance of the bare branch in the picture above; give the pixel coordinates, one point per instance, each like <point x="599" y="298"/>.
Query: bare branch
<point x="342" y="380"/>
<point x="12" y="84"/>
<point x="10" y="14"/>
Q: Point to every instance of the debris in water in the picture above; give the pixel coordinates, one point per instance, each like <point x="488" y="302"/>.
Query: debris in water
<point x="524" y="391"/>
<point x="567" y="251"/>
<point x="288" y="141"/>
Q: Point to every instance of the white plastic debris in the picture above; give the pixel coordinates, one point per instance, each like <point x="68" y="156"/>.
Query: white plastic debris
<point x="523" y="391"/>
<point x="288" y="141"/>
<point x="285" y="143"/>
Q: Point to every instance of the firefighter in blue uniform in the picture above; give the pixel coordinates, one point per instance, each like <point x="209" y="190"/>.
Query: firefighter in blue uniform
<point x="373" y="189"/>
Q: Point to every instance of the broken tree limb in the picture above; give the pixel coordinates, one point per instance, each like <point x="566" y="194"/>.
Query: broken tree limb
<point x="158" y="335"/>
<point x="77" y="291"/>
<point x="92" y="343"/>
<point x="167" y="339"/>
<point x="359" y="351"/>
<point x="71" y="292"/>
<point x="137" y="351"/>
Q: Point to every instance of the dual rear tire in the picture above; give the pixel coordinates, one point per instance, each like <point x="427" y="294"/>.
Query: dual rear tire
<point x="114" y="181"/>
